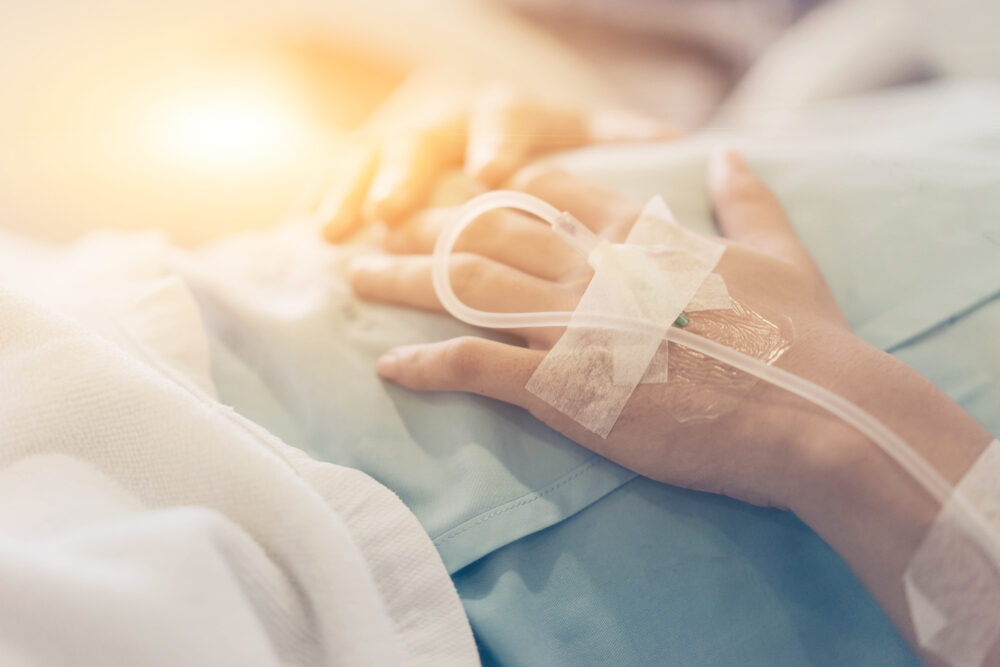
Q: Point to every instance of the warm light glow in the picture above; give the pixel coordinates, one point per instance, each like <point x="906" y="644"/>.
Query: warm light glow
<point x="206" y="137"/>
<point x="225" y="129"/>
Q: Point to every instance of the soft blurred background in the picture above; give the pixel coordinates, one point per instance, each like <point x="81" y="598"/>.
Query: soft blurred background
<point x="211" y="116"/>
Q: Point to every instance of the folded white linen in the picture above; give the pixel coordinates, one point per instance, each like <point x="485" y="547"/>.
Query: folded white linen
<point x="142" y="522"/>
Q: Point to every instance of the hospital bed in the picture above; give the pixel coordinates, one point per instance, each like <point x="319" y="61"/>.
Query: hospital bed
<point x="558" y="556"/>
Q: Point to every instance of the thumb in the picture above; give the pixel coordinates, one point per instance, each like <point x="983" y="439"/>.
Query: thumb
<point x="748" y="212"/>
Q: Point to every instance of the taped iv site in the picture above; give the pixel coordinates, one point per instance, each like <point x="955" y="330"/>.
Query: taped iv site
<point x="736" y="403"/>
<point x="627" y="318"/>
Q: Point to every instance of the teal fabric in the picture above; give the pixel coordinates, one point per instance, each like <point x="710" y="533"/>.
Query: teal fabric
<point x="563" y="558"/>
<point x="656" y="575"/>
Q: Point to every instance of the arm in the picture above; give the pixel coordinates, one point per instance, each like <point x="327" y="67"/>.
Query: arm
<point x="858" y="500"/>
<point x="772" y="448"/>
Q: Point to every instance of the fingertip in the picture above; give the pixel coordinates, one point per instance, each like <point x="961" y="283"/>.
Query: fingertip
<point x="479" y="155"/>
<point x="355" y="276"/>
<point x="719" y="170"/>
<point x="490" y="163"/>
<point x="341" y="226"/>
<point x="401" y="365"/>
<point x="394" y="205"/>
<point x="382" y="205"/>
<point x="388" y="365"/>
<point x="361" y="271"/>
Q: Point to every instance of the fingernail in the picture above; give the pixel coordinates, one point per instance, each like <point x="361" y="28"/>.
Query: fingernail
<point x="388" y="364"/>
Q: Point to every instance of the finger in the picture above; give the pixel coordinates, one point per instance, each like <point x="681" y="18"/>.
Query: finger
<point x="478" y="282"/>
<point x="494" y="149"/>
<point x="475" y="365"/>
<point x="602" y="210"/>
<point x="410" y="166"/>
<point x="505" y="131"/>
<point x="508" y="237"/>
<point x="748" y="212"/>
<point x="341" y="207"/>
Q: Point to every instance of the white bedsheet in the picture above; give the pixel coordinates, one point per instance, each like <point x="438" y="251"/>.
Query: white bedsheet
<point x="142" y="522"/>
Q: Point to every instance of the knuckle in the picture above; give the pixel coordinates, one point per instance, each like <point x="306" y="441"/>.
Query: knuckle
<point x="461" y="357"/>
<point x="360" y="280"/>
<point x="468" y="270"/>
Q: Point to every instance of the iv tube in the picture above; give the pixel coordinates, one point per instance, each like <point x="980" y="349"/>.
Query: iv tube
<point x="585" y="241"/>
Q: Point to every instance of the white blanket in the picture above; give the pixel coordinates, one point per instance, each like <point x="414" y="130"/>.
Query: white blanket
<point x="144" y="523"/>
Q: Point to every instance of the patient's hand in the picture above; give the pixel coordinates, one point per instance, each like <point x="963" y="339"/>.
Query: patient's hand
<point x="511" y="262"/>
<point x="773" y="448"/>
<point x="489" y="138"/>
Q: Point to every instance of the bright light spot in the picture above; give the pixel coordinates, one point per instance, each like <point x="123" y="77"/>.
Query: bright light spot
<point x="238" y="125"/>
<point x="226" y="130"/>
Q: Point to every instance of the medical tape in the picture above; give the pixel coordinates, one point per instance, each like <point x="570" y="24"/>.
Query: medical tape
<point x="590" y="373"/>
<point x="952" y="584"/>
<point x="712" y="295"/>
<point x="702" y="388"/>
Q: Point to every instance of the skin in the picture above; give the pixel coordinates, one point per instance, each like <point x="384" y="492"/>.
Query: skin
<point x="489" y="139"/>
<point x="774" y="448"/>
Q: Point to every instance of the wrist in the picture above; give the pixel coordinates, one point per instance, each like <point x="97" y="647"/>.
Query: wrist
<point x="836" y="464"/>
<point x="852" y="493"/>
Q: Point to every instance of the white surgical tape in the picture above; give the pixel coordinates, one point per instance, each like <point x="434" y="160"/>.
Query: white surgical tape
<point x="952" y="583"/>
<point x="712" y="295"/>
<point x="591" y="372"/>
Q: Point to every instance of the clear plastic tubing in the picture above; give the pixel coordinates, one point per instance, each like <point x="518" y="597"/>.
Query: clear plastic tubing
<point x="585" y="241"/>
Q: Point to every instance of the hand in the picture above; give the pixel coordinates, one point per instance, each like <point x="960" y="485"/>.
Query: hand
<point x="510" y="262"/>
<point x="490" y="138"/>
<point x="773" y="448"/>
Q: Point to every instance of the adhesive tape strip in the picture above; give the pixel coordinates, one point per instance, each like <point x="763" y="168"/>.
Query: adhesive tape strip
<point x="712" y="295"/>
<point x="952" y="584"/>
<point x="590" y="373"/>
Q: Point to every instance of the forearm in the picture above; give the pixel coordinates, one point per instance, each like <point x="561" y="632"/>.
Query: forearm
<point x="857" y="498"/>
